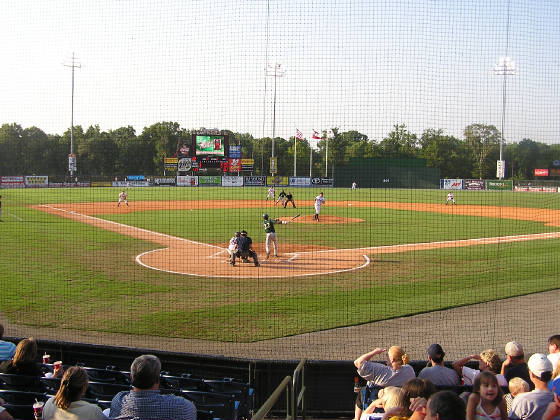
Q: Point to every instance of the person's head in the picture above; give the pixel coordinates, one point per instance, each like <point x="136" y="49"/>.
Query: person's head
<point x="518" y="386"/>
<point x="414" y="388"/>
<point x="540" y="368"/>
<point x="515" y="351"/>
<point x="445" y="405"/>
<point x="435" y="353"/>
<point x="490" y="360"/>
<point x="321" y="194"/>
<point x="26" y="351"/>
<point x="390" y="397"/>
<point x="265" y="216"/>
<point x="243" y="233"/>
<point x="554" y="344"/>
<point x="487" y="387"/>
<point x="237" y="234"/>
<point x="144" y="372"/>
<point x="73" y="387"/>
<point x="397" y="357"/>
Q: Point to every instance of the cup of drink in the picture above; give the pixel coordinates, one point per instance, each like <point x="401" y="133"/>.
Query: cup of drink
<point x="57" y="366"/>
<point x="38" y="409"/>
<point x="46" y="358"/>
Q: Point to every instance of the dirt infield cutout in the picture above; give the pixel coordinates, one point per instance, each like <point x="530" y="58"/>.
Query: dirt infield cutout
<point x="187" y="257"/>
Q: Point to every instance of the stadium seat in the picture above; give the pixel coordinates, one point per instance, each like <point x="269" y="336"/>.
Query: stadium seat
<point x="105" y="391"/>
<point x="50" y="385"/>
<point x="21" y="397"/>
<point x="244" y="393"/>
<point x="106" y="375"/>
<point x="21" y="382"/>
<point x="21" y="412"/>
<point x="183" y="382"/>
<point x="224" y="406"/>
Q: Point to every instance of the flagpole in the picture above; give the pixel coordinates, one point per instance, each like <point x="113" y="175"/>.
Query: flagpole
<point x="310" y="158"/>
<point x="327" y="159"/>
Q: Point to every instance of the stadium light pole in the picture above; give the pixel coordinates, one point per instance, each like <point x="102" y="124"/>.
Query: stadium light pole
<point x="505" y="67"/>
<point x="275" y="71"/>
<point x="71" y="159"/>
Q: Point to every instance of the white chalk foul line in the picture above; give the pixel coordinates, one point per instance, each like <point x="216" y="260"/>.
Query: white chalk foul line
<point x="15" y="217"/>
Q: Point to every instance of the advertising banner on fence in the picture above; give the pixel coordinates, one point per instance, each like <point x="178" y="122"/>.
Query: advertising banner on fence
<point x="185" y="165"/>
<point x="127" y="184"/>
<point x="12" y="182"/>
<point x="209" y="181"/>
<point x="232" y="181"/>
<point x="474" y="184"/>
<point x="254" y="181"/>
<point x="504" y="185"/>
<point x="277" y="180"/>
<point x="247" y="164"/>
<point x="164" y="181"/>
<point x="69" y="184"/>
<point x="300" y="182"/>
<point x="541" y="172"/>
<point x="101" y="184"/>
<point x="36" y="181"/>
<point x="187" y="181"/>
<point x="329" y="182"/>
<point x="451" y="184"/>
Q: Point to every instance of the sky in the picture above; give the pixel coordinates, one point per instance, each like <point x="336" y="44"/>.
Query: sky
<point x="361" y="65"/>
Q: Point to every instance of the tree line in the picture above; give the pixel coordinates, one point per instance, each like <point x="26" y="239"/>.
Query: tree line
<point x="120" y="152"/>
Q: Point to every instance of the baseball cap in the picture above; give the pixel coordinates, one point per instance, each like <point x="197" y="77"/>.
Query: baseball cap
<point x="554" y="386"/>
<point x="538" y="364"/>
<point x="435" y="351"/>
<point x="243" y="232"/>
<point x="513" y="348"/>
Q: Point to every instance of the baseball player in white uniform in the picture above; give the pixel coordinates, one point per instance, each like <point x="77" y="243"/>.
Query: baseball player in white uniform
<point x="319" y="201"/>
<point x="450" y="197"/>
<point x="271" y="193"/>
<point x="232" y="247"/>
<point x="123" y="197"/>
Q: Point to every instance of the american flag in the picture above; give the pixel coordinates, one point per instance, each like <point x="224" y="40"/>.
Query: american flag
<point x="299" y="135"/>
<point x="316" y="135"/>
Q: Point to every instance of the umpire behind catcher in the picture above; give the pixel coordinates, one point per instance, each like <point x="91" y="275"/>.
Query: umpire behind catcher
<point x="244" y="249"/>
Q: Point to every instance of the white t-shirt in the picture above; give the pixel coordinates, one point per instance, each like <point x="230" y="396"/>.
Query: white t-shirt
<point x="382" y="375"/>
<point x="76" y="411"/>
<point x="553" y="357"/>
<point x="469" y="375"/>
<point x="531" y="405"/>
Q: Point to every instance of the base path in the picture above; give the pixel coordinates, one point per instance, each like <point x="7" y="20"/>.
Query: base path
<point x="186" y="257"/>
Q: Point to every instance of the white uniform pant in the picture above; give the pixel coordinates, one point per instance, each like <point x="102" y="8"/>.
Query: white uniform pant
<point x="271" y="239"/>
<point x="317" y="209"/>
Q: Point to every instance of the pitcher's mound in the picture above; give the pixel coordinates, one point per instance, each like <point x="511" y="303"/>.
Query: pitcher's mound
<point x="326" y="220"/>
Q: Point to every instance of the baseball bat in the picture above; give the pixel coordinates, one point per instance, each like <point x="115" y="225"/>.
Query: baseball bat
<point x="294" y="218"/>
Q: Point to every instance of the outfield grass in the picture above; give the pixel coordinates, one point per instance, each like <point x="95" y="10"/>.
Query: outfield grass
<point x="59" y="272"/>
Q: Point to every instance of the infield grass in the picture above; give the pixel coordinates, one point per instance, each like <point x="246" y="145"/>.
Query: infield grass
<point x="59" y="272"/>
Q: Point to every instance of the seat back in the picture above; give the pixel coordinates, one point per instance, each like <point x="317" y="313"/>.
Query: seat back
<point x="21" y="412"/>
<point x="21" y="382"/>
<point x="106" y="375"/>
<point x="21" y="397"/>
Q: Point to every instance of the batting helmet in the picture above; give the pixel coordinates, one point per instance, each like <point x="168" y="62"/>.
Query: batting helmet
<point x="237" y="233"/>
<point x="265" y="216"/>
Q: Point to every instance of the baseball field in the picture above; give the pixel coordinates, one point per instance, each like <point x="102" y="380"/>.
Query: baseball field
<point x="71" y="259"/>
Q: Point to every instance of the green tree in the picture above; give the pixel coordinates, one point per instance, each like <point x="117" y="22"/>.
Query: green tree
<point x="484" y="142"/>
<point x="399" y="143"/>
<point x="451" y="155"/>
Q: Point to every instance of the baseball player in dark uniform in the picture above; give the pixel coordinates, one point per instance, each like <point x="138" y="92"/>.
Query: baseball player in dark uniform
<point x="244" y="249"/>
<point x="290" y="199"/>
<point x="268" y="225"/>
<point x="281" y="198"/>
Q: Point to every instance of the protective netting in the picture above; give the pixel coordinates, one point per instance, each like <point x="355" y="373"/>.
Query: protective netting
<point x="393" y="96"/>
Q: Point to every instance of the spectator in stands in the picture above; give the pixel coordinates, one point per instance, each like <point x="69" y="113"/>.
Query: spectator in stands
<point x="67" y="404"/>
<point x="487" y="360"/>
<point x="436" y="372"/>
<point x="145" y="402"/>
<point x="553" y="410"/>
<point x="413" y="388"/>
<point x="388" y="397"/>
<point x="443" y="405"/>
<point x="514" y="365"/>
<point x="516" y="386"/>
<point x="24" y="361"/>
<point x="7" y="349"/>
<point x="4" y="415"/>
<point x="554" y="350"/>
<point x="532" y="405"/>
<point x="487" y="399"/>
<point x="396" y="372"/>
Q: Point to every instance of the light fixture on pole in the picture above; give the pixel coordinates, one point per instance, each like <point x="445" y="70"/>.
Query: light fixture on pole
<point x="72" y="157"/>
<point x="505" y="67"/>
<point x="275" y="71"/>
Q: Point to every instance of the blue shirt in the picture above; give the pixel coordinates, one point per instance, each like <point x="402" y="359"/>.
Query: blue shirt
<point x="7" y="350"/>
<point x="151" y="405"/>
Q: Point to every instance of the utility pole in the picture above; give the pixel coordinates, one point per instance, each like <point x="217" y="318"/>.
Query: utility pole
<point x="72" y="156"/>
<point x="275" y="71"/>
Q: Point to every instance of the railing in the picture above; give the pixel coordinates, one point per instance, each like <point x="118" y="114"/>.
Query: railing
<point x="293" y="402"/>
